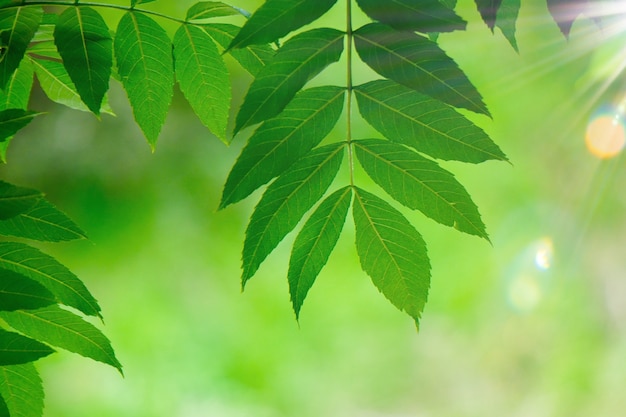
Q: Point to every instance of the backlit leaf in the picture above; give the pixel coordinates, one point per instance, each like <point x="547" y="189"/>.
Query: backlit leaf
<point x="208" y="9"/>
<point x="17" y="27"/>
<point x="203" y="78"/>
<point x="83" y="41"/>
<point x="285" y="201"/>
<point x="12" y="120"/>
<point x="565" y="12"/>
<point x="392" y="253"/>
<point x="418" y="63"/>
<point x="281" y="141"/>
<point x="15" y="200"/>
<point x="414" y="15"/>
<point x="314" y="244"/>
<point x="420" y="183"/>
<point x="21" y="390"/>
<point x="18" y="292"/>
<point x="488" y="11"/>
<point x="65" y="330"/>
<point x="133" y="3"/>
<point x="16" y="349"/>
<point x="300" y="59"/>
<point x="276" y="18"/>
<point x="33" y="264"/>
<point x="506" y="19"/>
<point x="15" y="95"/>
<point x="143" y="53"/>
<point x="405" y="116"/>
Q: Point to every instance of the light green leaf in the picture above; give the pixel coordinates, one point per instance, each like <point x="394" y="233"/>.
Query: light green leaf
<point x="281" y="141"/>
<point x="143" y="53"/>
<point x="65" y="330"/>
<point x="506" y="18"/>
<point x="314" y="244"/>
<point x="405" y="116"/>
<point x="17" y="27"/>
<point x="33" y="264"/>
<point x="15" y="95"/>
<point x="18" y="292"/>
<point x="133" y="3"/>
<point x="16" y="349"/>
<point x="420" y="183"/>
<point x="418" y="63"/>
<point x="300" y="59"/>
<point x="203" y="78"/>
<point x="420" y="16"/>
<point x="21" y="390"/>
<point x="252" y="58"/>
<point x="276" y="18"/>
<point x="12" y="120"/>
<point x="285" y="201"/>
<point x="392" y="253"/>
<point x="83" y="41"/>
<point x="43" y="222"/>
<point x="208" y="9"/>
<point x="15" y="200"/>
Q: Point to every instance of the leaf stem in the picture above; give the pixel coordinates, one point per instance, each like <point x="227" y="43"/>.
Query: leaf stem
<point x="349" y="89"/>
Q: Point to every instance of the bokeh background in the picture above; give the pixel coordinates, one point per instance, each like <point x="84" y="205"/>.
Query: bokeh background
<point x="532" y="325"/>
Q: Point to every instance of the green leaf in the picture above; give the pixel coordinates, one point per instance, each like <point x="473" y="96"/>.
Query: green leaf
<point x="133" y="3"/>
<point x="281" y="141"/>
<point x="314" y="244"/>
<point x="17" y="27"/>
<point x="15" y="200"/>
<point x="65" y="330"/>
<point x="33" y="264"/>
<point x="42" y="222"/>
<point x="276" y="18"/>
<point x="21" y="390"/>
<point x="16" y="95"/>
<point x="18" y="292"/>
<point x="413" y="15"/>
<point x="203" y="78"/>
<point x="300" y="59"/>
<point x="16" y="349"/>
<point x="506" y="18"/>
<point x="209" y="9"/>
<point x="418" y="63"/>
<point x="12" y="120"/>
<point x="405" y="116"/>
<point x="392" y="253"/>
<point x="143" y="53"/>
<point x="285" y="201"/>
<point x="488" y="10"/>
<point x="420" y="183"/>
<point x="252" y="58"/>
<point x="83" y="41"/>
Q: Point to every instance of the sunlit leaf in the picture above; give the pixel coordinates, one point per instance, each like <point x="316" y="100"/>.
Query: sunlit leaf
<point x="143" y="53"/>
<point x="415" y="15"/>
<point x="21" y="390"/>
<point x="281" y="141"/>
<point x="420" y="183"/>
<point x="418" y="63"/>
<point x="133" y="3"/>
<point x="565" y="12"/>
<point x="488" y="11"/>
<point x="285" y="201"/>
<point x="15" y="95"/>
<point x="12" y="120"/>
<point x="17" y="27"/>
<point x="276" y="18"/>
<point x="16" y="349"/>
<point x="33" y="264"/>
<point x="15" y="200"/>
<point x="300" y="59"/>
<point x="65" y="330"/>
<point x="203" y="78"/>
<point x="208" y="9"/>
<point x="18" y="292"/>
<point x="392" y="253"/>
<point x="507" y="18"/>
<point x="314" y="244"/>
<point x="405" y="116"/>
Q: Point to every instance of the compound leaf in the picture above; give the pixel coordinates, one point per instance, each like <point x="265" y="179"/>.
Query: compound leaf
<point x="12" y="120"/>
<point x="208" y="9"/>
<point x="16" y="349"/>
<point x="420" y="183"/>
<point x="488" y="11"/>
<point x="17" y="27"/>
<point x="281" y="141"/>
<point x="21" y="390"/>
<point x="15" y="200"/>
<point x="18" y="292"/>
<point x="413" y="15"/>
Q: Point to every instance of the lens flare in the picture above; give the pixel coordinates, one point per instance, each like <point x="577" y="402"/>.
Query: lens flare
<point x="605" y="136"/>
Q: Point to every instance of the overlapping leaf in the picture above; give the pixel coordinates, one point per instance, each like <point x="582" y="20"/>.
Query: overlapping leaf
<point x="15" y="95"/>
<point x="405" y="116"/>
<point x="16" y="349"/>
<point x="12" y="120"/>
<point x="392" y="253"/>
<point x="17" y="27"/>
<point x="420" y="183"/>
<point x="281" y="141"/>
<point x="418" y="63"/>
<point x="285" y="201"/>
<point x="18" y="292"/>
<point x="209" y="9"/>
<point x="21" y="390"/>
<point x="15" y="200"/>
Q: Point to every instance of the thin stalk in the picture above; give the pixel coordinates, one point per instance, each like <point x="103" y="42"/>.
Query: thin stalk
<point x="349" y="88"/>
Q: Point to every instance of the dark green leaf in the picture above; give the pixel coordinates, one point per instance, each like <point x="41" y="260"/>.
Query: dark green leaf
<point x="21" y="390"/>
<point x="83" y="41"/>
<point x="16" y="95"/>
<point x="314" y="244"/>
<point x="285" y="201"/>
<point x="420" y="183"/>
<point x="15" y="200"/>
<point x="414" y="15"/>
<point x="418" y="63"/>
<point x="300" y="59"/>
<point x="488" y="10"/>
<point x="405" y="116"/>
<point x="63" y="329"/>
<point x="281" y="141"/>
<point x="506" y="19"/>
<point x="17" y="27"/>
<point x="392" y="253"/>
<point x="18" y="292"/>
<point x="143" y="53"/>
<point x="208" y="9"/>
<point x="42" y="222"/>
<point x="44" y="269"/>
<point x="16" y="349"/>
<point x="276" y="18"/>
<point x="12" y="120"/>
<point x="203" y="78"/>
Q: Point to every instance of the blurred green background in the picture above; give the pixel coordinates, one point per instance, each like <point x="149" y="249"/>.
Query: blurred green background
<point x="533" y="325"/>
